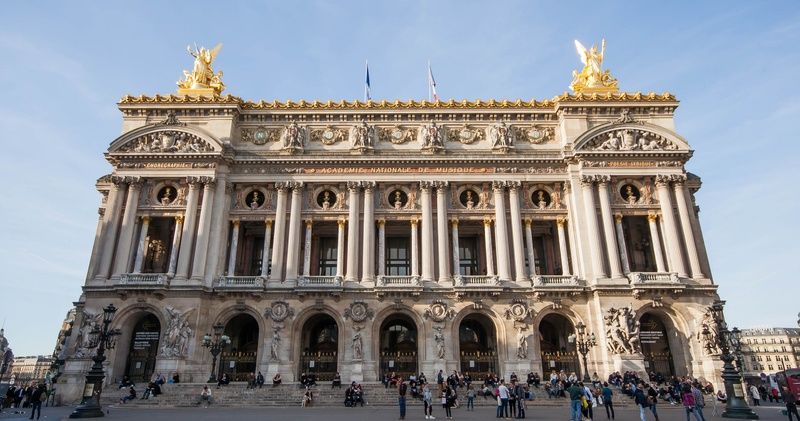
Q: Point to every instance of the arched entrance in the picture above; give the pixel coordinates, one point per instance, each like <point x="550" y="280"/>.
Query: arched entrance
<point x="398" y="346"/>
<point x="319" y="348"/>
<point x="239" y="358"/>
<point x="477" y="342"/>
<point x="557" y="352"/>
<point x="141" y="361"/>
<point x="655" y="345"/>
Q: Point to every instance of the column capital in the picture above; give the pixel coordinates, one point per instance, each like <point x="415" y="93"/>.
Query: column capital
<point x="281" y="186"/>
<point x="309" y="223"/>
<point x="268" y="223"/>
<point x="145" y="219"/>
<point x="440" y="186"/>
<point x="561" y="221"/>
<point x="236" y="222"/>
<point x="652" y="216"/>
<point x="618" y="218"/>
<point x="353" y="185"/>
<point x="662" y="180"/>
<point x="414" y="222"/>
<point x="296" y="186"/>
<point x="425" y="185"/>
<point x="602" y="180"/>
<point x="514" y="185"/>
<point x="368" y="186"/>
<point x="341" y="222"/>
<point x="487" y="221"/>
<point x="193" y="182"/>
<point x="678" y="180"/>
<point x="116" y="180"/>
<point x="134" y="182"/>
<point x="528" y="222"/>
<point x="454" y="222"/>
<point x="587" y="180"/>
<point x="381" y="222"/>
<point x="179" y="219"/>
<point x="498" y="185"/>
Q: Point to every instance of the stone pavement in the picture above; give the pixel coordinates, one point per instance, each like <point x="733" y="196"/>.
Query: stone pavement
<point x="115" y="412"/>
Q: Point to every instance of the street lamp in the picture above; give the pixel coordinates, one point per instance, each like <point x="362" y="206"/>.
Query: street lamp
<point x="102" y="339"/>
<point x="215" y="344"/>
<point x="736" y="406"/>
<point x="735" y="340"/>
<point x="583" y="343"/>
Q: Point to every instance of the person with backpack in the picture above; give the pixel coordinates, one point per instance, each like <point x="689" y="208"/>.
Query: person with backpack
<point x="689" y="404"/>
<point x="608" y="401"/>
<point x="640" y="399"/>
<point x="699" y="401"/>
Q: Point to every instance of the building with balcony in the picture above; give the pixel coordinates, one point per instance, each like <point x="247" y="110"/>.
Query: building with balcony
<point x="769" y="350"/>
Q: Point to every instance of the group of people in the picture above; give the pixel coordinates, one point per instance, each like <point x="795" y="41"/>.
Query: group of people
<point x="31" y="396"/>
<point x="153" y="388"/>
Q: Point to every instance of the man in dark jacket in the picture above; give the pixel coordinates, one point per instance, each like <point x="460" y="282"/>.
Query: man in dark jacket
<point x="37" y="396"/>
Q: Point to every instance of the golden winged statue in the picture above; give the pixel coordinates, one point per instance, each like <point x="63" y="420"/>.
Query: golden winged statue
<point x="202" y="80"/>
<point x="592" y="78"/>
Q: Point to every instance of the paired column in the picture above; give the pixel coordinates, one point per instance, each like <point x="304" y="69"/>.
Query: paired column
<point x="587" y="184"/>
<point x="215" y="263"/>
<point x="307" y="249"/>
<point x="128" y="224"/>
<point x="516" y="233"/>
<point x="265" y="253"/>
<point x="368" y="268"/>
<point x="652" y="219"/>
<point x="203" y="229"/>
<point x="529" y="243"/>
<point x="234" y="248"/>
<point x="414" y="248"/>
<point x="141" y="249"/>
<point x="340" y="249"/>
<point x="111" y="220"/>
<point x="501" y="234"/>
<point x="562" y="245"/>
<point x="187" y="236"/>
<point x="293" y="244"/>
<point x="670" y="226"/>
<point x="686" y="226"/>
<point x="487" y="239"/>
<point x="276" y="274"/>
<point x="441" y="232"/>
<point x="352" y="232"/>
<point x="176" y="243"/>
<point x="427" y="231"/>
<point x="456" y="257"/>
<point x="608" y="227"/>
<point x="381" y="247"/>
<point x="623" y="249"/>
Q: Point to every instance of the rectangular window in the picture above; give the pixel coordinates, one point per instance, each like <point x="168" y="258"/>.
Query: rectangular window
<point x="328" y="250"/>
<point x="398" y="256"/>
<point x="468" y="256"/>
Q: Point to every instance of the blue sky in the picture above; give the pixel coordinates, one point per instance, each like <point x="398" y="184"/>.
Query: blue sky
<point x="64" y="65"/>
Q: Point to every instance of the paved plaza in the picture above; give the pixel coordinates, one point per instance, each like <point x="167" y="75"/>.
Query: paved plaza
<point x="666" y="413"/>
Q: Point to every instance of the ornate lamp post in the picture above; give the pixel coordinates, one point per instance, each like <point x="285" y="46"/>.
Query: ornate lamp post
<point x="736" y="407"/>
<point x="215" y="344"/>
<point x="102" y="339"/>
<point x="583" y="343"/>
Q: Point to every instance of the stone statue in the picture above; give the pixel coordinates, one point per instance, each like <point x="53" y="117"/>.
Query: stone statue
<point x="83" y="342"/>
<point x="540" y="200"/>
<point x="522" y="344"/>
<point x="361" y="136"/>
<point x="438" y="337"/>
<point x="398" y="202"/>
<point x="711" y="340"/>
<point x="293" y="136"/>
<point x="202" y="75"/>
<point x="501" y="136"/>
<point x="176" y="336"/>
<point x="592" y="78"/>
<point x="630" y="195"/>
<point x="470" y="202"/>
<point x="326" y="200"/>
<point x="430" y="136"/>
<point x="156" y="255"/>
<point x="647" y="194"/>
<point x="274" y="349"/>
<point x="254" y="203"/>
<point x="412" y="199"/>
<point x="3" y="342"/>
<point x="622" y="331"/>
<point x="166" y="199"/>
<point x="340" y="200"/>
<point x="358" y="346"/>
<point x="555" y="198"/>
<point x="483" y="199"/>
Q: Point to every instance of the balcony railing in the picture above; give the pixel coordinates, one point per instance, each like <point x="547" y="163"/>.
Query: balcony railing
<point x="319" y="281"/>
<point x="554" y="280"/>
<point x="398" y="281"/>
<point x="475" y="280"/>
<point x="143" y="279"/>
<point x="653" y="277"/>
<point x="240" y="282"/>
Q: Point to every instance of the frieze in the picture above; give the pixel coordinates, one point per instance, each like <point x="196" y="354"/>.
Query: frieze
<point x="172" y="141"/>
<point x="399" y="170"/>
<point x="465" y="134"/>
<point x="260" y="135"/>
<point x="166" y="165"/>
<point x="396" y="135"/>
<point x="535" y="134"/>
<point x="630" y="140"/>
<point x="631" y="164"/>
<point x="328" y="135"/>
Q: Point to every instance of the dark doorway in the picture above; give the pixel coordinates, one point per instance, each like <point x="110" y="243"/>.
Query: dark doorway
<point x="143" y="349"/>
<point x="478" y="346"/>
<point x="319" y="348"/>
<point x="398" y="346"/>
<point x="239" y="358"/>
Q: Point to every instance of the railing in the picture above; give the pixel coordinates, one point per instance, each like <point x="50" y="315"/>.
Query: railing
<point x="399" y="281"/>
<point x="555" y="280"/>
<point x="653" y="277"/>
<point x="469" y="280"/>
<point x="143" y="279"/>
<point x="319" y="281"/>
<point x="240" y="282"/>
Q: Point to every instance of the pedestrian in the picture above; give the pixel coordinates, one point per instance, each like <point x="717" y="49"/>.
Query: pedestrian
<point x="756" y="395"/>
<point x="470" y="398"/>
<point x="39" y="394"/>
<point x="790" y="400"/>
<point x="447" y="401"/>
<point x="520" y="393"/>
<point x="699" y="401"/>
<point x="575" y="394"/>
<point x="608" y="401"/>
<point x="652" y="397"/>
<point x="503" y="393"/>
<point x="205" y="397"/>
<point x="401" y="397"/>
<point x="640" y="399"/>
<point x="689" y="403"/>
<point x="427" y="400"/>
<point x="512" y="399"/>
<point x="260" y="380"/>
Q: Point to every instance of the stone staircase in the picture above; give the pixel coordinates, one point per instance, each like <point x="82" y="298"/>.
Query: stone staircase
<point x="286" y="395"/>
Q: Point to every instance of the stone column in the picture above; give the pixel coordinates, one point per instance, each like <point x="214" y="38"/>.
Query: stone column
<point x="652" y="219"/>
<point x="562" y="246"/>
<point x="368" y="267"/>
<point x="141" y="249"/>
<point x="187" y="236"/>
<point x="265" y="253"/>
<point x="427" y="232"/>
<point x="234" y="248"/>
<point x="456" y="257"/>
<point x="441" y="233"/>
<point x="529" y="243"/>
<point x="111" y="220"/>
<point x="623" y="249"/>
<point x="686" y="226"/>
<point x="293" y="243"/>
<point x="487" y="240"/>
<point x="516" y="233"/>
<point x="307" y="249"/>
<point x="595" y="249"/>
<point x="414" y="248"/>
<point x="340" y="249"/>
<point x="176" y="243"/>
<point x="203" y="229"/>
<point x="126" y="229"/>
<point x="276" y="274"/>
<point x="381" y="247"/>
<point x="608" y="227"/>
<point x="500" y="232"/>
<point x="670" y="226"/>
<point x="215" y="263"/>
<point x="352" y="232"/>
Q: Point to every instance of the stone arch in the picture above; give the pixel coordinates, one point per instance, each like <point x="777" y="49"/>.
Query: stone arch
<point x="582" y="141"/>
<point x="384" y="316"/>
<point x="298" y="326"/>
<point x="501" y="336"/>
<point x="229" y="313"/>
<point x="679" y="339"/>
<point x="126" y="140"/>
<point x="126" y="320"/>
<point x="540" y="364"/>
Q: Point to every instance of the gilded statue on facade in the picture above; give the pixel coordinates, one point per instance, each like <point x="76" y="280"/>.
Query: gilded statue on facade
<point x="202" y="79"/>
<point x="592" y="78"/>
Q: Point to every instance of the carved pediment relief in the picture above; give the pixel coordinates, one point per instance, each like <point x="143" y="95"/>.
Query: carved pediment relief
<point x="631" y="137"/>
<point x="166" y="141"/>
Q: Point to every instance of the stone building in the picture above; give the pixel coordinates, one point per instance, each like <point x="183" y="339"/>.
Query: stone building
<point x="31" y="368"/>
<point x="770" y="350"/>
<point x="372" y="237"/>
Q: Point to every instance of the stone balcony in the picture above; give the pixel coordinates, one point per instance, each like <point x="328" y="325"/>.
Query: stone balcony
<point x="398" y="281"/>
<point x="319" y="282"/>
<point x="554" y="281"/>
<point x="653" y="278"/>
<point x="239" y="283"/>
<point x="143" y="280"/>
